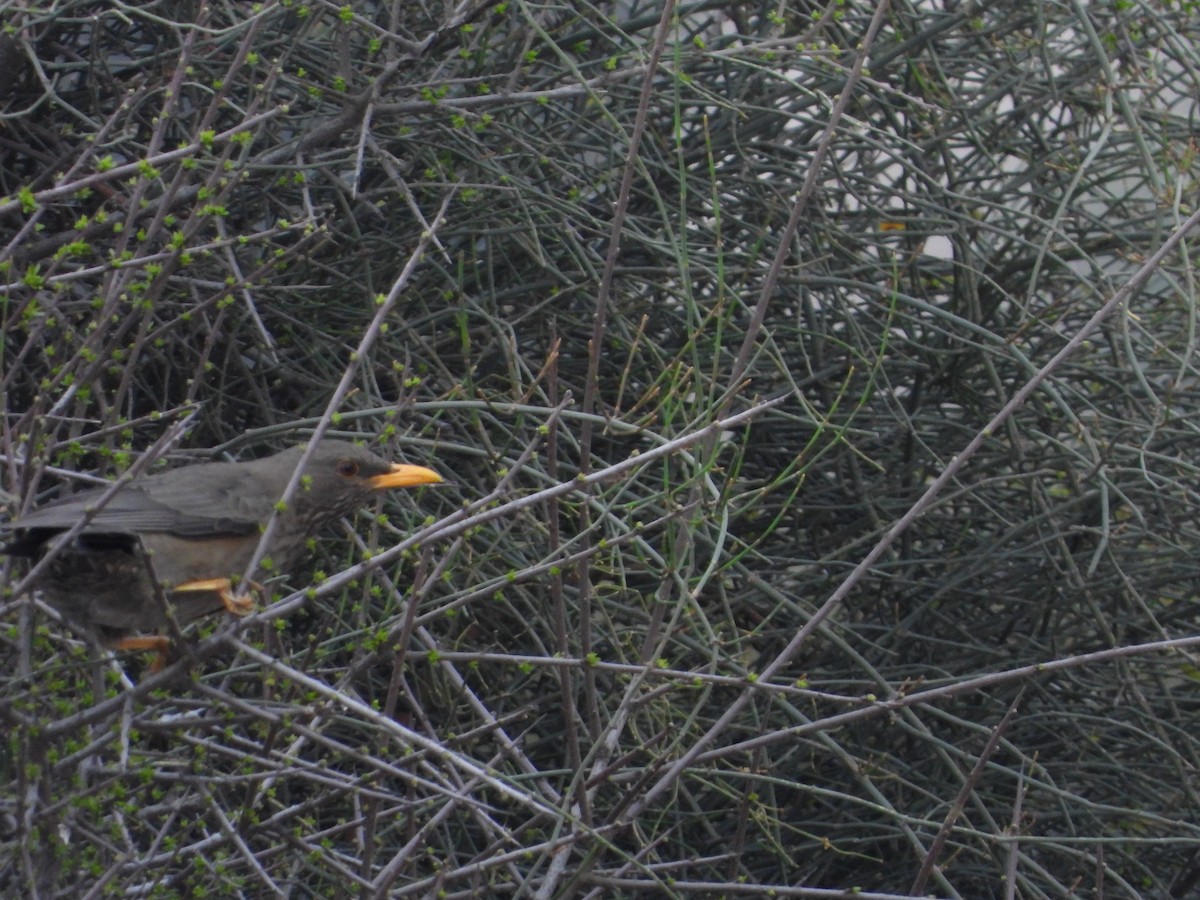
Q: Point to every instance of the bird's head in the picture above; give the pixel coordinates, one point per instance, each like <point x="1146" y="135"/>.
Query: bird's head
<point x="339" y="477"/>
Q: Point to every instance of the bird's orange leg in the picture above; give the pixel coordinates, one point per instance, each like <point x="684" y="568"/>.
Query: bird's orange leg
<point x="237" y="604"/>
<point x="160" y="644"/>
<point x="142" y="642"/>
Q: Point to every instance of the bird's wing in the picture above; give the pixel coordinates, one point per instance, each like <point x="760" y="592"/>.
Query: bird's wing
<point x="215" y="499"/>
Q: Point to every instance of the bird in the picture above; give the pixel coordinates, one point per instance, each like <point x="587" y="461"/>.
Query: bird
<point x="183" y="538"/>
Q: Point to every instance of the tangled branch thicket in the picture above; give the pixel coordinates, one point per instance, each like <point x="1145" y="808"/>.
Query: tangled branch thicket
<point x="547" y="249"/>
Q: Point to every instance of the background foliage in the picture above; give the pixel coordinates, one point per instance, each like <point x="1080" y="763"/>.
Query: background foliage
<point x="630" y="651"/>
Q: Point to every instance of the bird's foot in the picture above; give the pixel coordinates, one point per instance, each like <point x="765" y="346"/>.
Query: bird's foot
<point x="160" y="644"/>
<point x="236" y="604"/>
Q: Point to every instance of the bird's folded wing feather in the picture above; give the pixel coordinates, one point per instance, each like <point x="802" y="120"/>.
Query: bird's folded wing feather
<point x="207" y="505"/>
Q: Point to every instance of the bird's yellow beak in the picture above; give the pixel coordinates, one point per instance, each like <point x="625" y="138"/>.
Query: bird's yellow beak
<point x="404" y="476"/>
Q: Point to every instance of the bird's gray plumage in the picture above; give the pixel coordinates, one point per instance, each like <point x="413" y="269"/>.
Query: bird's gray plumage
<point x="205" y="499"/>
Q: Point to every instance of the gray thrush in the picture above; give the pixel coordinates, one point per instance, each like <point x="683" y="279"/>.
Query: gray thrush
<point x="186" y="536"/>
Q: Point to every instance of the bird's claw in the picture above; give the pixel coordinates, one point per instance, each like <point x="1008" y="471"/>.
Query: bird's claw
<point x="160" y="644"/>
<point x="236" y="604"/>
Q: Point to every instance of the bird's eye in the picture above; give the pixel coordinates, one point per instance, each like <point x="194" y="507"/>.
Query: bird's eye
<point x="347" y="468"/>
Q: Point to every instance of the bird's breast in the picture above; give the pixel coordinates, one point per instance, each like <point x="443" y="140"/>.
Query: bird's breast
<point x="179" y="560"/>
